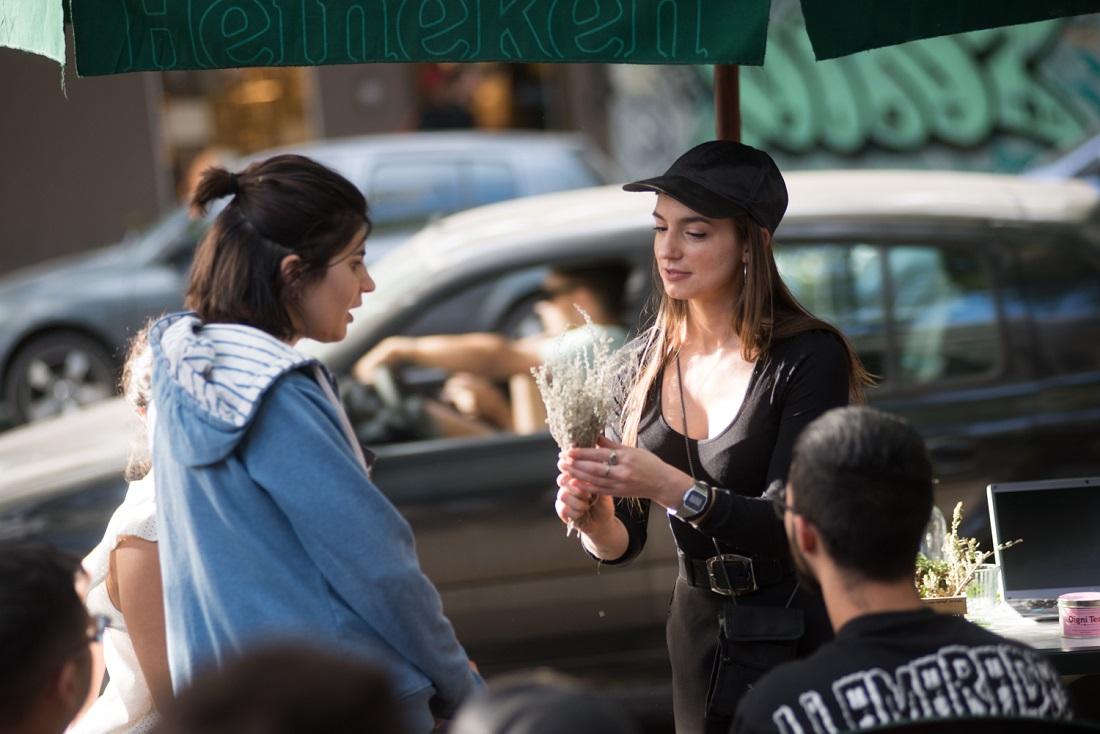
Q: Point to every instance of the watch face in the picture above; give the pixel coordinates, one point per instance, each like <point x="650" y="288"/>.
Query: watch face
<point x="695" y="500"/>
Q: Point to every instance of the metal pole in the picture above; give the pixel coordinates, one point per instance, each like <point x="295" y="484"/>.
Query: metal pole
<point x="727" y="102"/>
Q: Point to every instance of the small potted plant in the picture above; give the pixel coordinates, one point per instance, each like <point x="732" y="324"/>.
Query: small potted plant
<point x="942" y="582"/>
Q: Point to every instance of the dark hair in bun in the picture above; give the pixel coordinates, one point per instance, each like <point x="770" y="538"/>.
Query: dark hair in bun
<point x="284" y="205"/>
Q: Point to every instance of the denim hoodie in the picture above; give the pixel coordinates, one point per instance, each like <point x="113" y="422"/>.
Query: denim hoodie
<point x="270" y="526"/>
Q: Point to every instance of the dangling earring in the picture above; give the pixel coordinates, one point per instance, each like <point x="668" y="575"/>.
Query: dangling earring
<point x="745" y="271"/>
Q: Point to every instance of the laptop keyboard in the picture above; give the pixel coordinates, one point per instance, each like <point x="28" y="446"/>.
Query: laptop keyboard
<point x="1035" y="607"/>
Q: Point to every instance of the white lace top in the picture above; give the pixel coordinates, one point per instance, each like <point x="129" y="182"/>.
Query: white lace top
<point x="126" y="705"/>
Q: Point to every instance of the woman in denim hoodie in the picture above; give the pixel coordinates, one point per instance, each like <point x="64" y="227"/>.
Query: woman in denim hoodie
<point x="270" y="526"/>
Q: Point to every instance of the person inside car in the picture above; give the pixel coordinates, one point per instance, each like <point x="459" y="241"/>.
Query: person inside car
<point x="854" y="511"/>
<point x="471" y="401"/>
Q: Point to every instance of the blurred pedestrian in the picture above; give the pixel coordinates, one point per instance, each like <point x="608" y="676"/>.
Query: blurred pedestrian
<point x="45" y="638"/>
<point x="276" y="531"/>
<point x="730" y="372"/>
<point x="541" y="702"/>
<point x="286" y="689"/>
<point x="124" y="583"/>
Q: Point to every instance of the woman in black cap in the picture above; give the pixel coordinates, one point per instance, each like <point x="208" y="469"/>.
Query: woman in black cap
<point x="729" y="373"/>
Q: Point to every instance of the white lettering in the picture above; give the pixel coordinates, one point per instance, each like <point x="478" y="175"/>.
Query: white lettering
<point x="785" y="721"/>
<point x="992" y="680"/>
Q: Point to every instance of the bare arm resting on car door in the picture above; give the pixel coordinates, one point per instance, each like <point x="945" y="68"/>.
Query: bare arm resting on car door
<point x="485" y="354"/>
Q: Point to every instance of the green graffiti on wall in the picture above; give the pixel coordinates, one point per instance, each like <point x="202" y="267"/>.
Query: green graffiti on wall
<point x="957" y="90"/>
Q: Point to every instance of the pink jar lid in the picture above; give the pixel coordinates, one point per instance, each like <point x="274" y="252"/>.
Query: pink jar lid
<point x="1080" y="599"/>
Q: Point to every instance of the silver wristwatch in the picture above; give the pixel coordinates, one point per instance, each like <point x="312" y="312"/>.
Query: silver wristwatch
<point x="694" y="502"/>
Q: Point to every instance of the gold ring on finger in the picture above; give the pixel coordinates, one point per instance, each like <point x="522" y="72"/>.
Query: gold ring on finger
<point x="608" y="469"/>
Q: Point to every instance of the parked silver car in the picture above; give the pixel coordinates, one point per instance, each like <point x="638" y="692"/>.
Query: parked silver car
<point x="975" y="298"/>
<point x="63" y="323"/>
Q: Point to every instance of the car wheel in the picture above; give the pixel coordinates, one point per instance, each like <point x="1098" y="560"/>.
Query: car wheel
<point x="57" y="373"/>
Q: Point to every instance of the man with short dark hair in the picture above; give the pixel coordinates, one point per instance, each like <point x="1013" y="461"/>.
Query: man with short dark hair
<point x="45" y="658"/>
<point x="858" y="497"/>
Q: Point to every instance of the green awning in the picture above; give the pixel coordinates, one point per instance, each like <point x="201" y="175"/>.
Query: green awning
<point x="34" y="26"/>
<point x="114" y="36"/>
<point x="841" y="27"/>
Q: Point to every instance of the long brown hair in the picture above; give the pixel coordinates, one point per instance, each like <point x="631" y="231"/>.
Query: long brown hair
<point x="765" y="312"/>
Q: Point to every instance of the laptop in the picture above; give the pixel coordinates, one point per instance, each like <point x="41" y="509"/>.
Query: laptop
<point x="1058" y="521"/>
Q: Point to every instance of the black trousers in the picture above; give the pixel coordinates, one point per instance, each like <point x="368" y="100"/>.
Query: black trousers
<point x="692" y="634"/>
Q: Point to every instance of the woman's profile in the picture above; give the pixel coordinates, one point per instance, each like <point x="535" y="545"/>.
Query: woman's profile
<point x="729" y="373"/>
<point x="271" y="529"/>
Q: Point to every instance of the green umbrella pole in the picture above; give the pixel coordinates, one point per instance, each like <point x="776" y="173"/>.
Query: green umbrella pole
<point x="727" y="102"/>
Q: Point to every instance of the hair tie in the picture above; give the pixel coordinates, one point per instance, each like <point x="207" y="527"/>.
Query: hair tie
<point x="234" y="184"/>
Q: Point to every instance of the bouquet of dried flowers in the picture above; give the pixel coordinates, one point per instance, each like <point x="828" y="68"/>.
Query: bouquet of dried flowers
<point x="580" y="388"/>
<point x="961" y="558"/>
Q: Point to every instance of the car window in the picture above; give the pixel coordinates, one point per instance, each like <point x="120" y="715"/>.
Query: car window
<point x="499" y="303"/>
<point x="1062" y="282"/>
<point x="945" y="316"/>
<point x="843" y="285"/>
<point x="562" y="171"/>
<point x="489" y="183"/>
<point x="408" y="192"/>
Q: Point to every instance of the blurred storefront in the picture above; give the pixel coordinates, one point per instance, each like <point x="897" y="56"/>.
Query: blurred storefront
<point x="210" y="113"/>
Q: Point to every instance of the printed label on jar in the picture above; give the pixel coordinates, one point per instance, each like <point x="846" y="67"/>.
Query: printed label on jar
<point x="1079" y="614"/>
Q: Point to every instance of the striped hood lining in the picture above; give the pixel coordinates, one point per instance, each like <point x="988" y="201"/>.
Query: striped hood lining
<point x="224" y="368"/>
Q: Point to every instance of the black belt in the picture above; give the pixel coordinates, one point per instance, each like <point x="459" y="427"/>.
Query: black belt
<point x="731" y="574"/>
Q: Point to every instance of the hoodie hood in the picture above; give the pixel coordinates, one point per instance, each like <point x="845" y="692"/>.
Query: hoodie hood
<point x="209" y="381"/>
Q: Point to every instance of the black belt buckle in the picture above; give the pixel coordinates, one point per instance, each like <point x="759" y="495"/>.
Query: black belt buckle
<point x="722" y="582"/>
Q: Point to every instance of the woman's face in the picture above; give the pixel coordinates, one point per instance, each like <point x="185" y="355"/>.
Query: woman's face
<point x="698" y="257"/>
<point x="322" y="312"/>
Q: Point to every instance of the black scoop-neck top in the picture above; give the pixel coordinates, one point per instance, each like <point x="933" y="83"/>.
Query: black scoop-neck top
<point x="796" y="381"/>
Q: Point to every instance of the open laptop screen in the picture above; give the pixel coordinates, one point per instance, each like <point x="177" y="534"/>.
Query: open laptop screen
<point x="1059" y="523"/>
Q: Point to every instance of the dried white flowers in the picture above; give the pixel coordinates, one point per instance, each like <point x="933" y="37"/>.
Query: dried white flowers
<point x="579" y="386"/>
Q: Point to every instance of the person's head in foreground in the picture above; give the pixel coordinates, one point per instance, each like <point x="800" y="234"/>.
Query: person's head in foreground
<point x="286" y="253"/>
<point x="540" y="702"/>
<point x="286" y="689"/>
<point x="45" y="631"/>
<point x="858" y="497"/>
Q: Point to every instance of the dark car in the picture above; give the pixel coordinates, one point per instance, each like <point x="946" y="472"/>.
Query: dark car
<point x="976" y="299"/>
<point x="63" y="323"/>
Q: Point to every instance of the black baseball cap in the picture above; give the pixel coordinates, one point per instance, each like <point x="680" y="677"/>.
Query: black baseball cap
<point x="722" y="178"/>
